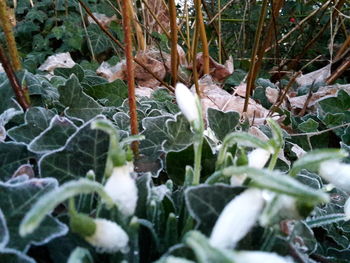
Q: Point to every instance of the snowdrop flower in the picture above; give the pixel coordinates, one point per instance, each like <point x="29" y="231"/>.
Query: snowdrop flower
<point x="237" y="218"/>
<point x="347" y="209"/>
<point x="186" y="102"/>
<point x="121" y="187"/>
<point x="257" y="256"/>
<point x="108" y="237"/>
<point x="258" y="158"/>
<point x="336" y="173"/>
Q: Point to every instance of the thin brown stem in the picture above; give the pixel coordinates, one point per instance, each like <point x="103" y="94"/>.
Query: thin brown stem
<point x="250" y="80"/>
<point x="194" y="62"/>
<point x="173" y="30"/>
<point x="21" y="96"/>
<point x="130" y="71"/>
<point x="340" y="70"/>
<point x="10" y="39"/>
<point x="203" y="36"/>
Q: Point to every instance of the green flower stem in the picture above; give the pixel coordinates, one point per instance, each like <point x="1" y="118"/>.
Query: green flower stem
<point x="273" y="160"/>
<point x="198" y="144"/>
<point x="198" y="126"/>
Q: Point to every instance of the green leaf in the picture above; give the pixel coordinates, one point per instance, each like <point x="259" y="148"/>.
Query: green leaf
<point x="236" y="77"/>
<point x="246" y="139"/>
<point x="54" y="137"/>
<point x="56" y="196"/>
<point x="78" y="104"/>
<point x="177" y="161"/>
<point x="319" y="221"/>
<point x="338" y="104"/>
<point x="308" y="126"/>
<point x="179" y="134"/>
<point x="222" y="123"/>
<point x="4" y="233"/>
<point x="36" y="120"/>
<point x="204" y="252"/>
<point x="143" y="183"/>
<point x="99" y="41"/>
<point x="85" y="150"/>
<point x="14" y="256"/>
<point x="313" y="159"/>
<point x="113" y="93"/>
<point x="7" y="99"/>
<point x="156" y="133"/>
<point x="12" y="156"/>
<point x="279" y="183"/>
<point x="206" y="202"/>
<point x="66" y="73"/>
<point x="80" y="255"/>
<point x="16" y="199"/>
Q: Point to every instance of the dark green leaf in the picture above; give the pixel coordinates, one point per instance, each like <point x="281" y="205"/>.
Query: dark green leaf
<point x="16" y="199"/>
<point x="78" y="104"/>
<point x="37" y="119"/>
<point x="54" y="137"/>
<point x="85" y="150"/>
<point x="222" y="123"/>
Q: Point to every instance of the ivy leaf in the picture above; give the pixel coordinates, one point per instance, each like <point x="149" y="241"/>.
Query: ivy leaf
<point x="222" y="123"/>
<point x="16" y="199"/>
<point x="99" y="41"/>
<point x="179" y="134"/>
<point x="36" y="120"/>
<point x="79" y="105"/>
<point x="338" y="104"/>
<point x="12" y="156"/>
<point x="14" y="256"/>
<point x="54" y="137"/>
<point x="206" y="202"/>
<point x="85" y="150"/>
<point x="308" y="126"/>
<point x="155" y="133"/>
<point x="113" y="93"/>
<point x="66" y="73"/>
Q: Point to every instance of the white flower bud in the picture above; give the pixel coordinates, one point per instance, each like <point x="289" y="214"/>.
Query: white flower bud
<point x="186" y="102"/>
<point x="258" y="158"/>
<point x="121" y="187"/>
<point x="347" y="209"/>
<point x="257" y="256"/>
<point x="237" y="218"/>
<point x="108" y="237"/>
<point x="336" y="173"/>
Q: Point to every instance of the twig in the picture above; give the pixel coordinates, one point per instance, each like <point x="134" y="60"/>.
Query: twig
<point x="173" y="31"/>
<point x="116" y="41"/>
<point x="221" y="10"/>
<point x="250" y="80"/>
<point x="21" y="95"/>
<point x="130" y="72"/>
<point x="203" y="36"/>
<point x="320" y="132"/>
<point x="10" y="39"/>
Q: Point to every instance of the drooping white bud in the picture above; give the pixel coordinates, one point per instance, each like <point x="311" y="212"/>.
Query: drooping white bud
<point x="237" y="218"/>
<point x="336" y="173"/>
<point x="257" y="256"/>
<point x="121" y="187"/>
<point x="347" y="209"/>
<point x="108" y="237"/>
<point x="258" y="158"/>
<point x="186" y="102"/>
